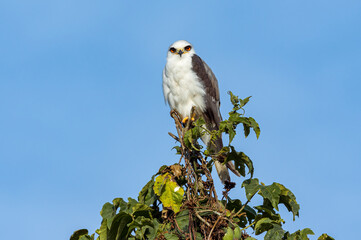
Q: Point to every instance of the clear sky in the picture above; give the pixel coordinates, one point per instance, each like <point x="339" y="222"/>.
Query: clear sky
<point x="83" y="120"/>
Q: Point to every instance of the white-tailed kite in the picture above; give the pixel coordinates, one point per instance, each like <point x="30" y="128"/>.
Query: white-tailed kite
<point x="188" y="81"/>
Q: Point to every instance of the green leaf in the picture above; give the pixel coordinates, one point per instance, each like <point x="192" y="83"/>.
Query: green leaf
<point x="325" y="237"/>
<point x="146" y="229"/>
<point x="108" y="212"/>
<point x="237" y="102"/>
<point x="77" y="234"/>
<point x="235" y="118"/>
<point x="85" y="237"/>
<point x="223" y="126"/>
<point x="140" y="223"/>
<point x="234" y="99"/>
<point x="141" y="209"/>
<point x="131" y="203"/>
<point x="119" y="228"/>
<point x="170" y="236"/>
<point x="271" y="193"/>
<point x="300" y="234"/>
<point x="263" y="225"/>
<point x="276" y="194"/>
<point x="119" y="202"/>
<point x="237" y="233"/>
<point x="305" y="232"/>
<point x="152" y="233"/>
<point x="161" y="169"/>
<point x="182" y="219"/>
<point x="255" y="126"/>
<point x="246" y="160"/>
<point x="188" y="139"/>
<point x="229" y="234"/>
<point x="103" y="230"/>
<point x="231" y="132"/>
<point x="240" y="161"/>
<point x="199" y="236"/>
<point x="170" y="194"/>
<point x="251" y="186"/>
<point x="238" y="165"/>
<point x="199" y="122"/>
<point x="234" y="204"/>
<point x="267" y="210"/>
<point x="250" y="212"/>
<point x="245" y="101"/>
<point x="275" y="233"/>
<point x="228" y="127"/>
<point x="191" y="136"/>
<point x="178" y="149"/>
<point x="247" y="129"/>
<point x="289" y="200"/>
<point x="250" y="238"/>
<point x="147" y="195"/>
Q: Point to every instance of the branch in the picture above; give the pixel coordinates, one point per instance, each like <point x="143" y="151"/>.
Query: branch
<point x="210" y="234"/>
<point x="244" y="205"/>
<point x="248" y="226"/>
<point x="176" y="223"/>
<point x="173" y="136"/>
<point x="202" y="219"/>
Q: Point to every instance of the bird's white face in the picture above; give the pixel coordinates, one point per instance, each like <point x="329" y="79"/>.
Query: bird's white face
<point x="180" y="49"/>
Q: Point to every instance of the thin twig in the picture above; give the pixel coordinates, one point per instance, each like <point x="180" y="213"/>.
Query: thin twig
<point x="230" y="221"/>
<point x="210" y="234"/>
<point x="218" y="213"/>
<point x="191" y="226"/>
<point x="248" y="226"/>
<point x="175" y="115"/>
<point x="209" y="177"/>
<point x="176" y="223"/>
<point x="244" y="205"/>
<point x="202" y="219"/>
<point x="173" y="136"/>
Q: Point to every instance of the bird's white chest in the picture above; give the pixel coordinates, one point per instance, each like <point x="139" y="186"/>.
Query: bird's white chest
<point x="181" y="86"/>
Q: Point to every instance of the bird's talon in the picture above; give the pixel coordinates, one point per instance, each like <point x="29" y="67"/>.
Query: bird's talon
<point x="185" y="120"/>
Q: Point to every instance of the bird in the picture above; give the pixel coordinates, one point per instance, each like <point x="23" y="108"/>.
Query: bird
<point x="188" y="81"/>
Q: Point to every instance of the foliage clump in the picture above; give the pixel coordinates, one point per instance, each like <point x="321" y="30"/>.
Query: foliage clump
<point x="180" y="200"/>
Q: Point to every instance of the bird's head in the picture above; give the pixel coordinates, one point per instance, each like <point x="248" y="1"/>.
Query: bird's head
<point x="180" y="49"/>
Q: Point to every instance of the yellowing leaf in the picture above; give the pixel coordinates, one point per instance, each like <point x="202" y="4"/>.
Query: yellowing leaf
<point x="170" y="194"/>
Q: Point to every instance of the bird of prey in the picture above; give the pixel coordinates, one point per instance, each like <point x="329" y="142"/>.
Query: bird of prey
<point x="188" y="81"/>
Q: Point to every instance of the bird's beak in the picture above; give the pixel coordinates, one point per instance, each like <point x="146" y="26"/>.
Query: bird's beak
<point x="180" y="52"/>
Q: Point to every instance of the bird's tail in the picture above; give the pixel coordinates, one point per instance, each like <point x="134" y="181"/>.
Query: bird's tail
<point x="222" y="169"/>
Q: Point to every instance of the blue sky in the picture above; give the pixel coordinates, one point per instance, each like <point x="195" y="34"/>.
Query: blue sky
<point x="83" y="118"/>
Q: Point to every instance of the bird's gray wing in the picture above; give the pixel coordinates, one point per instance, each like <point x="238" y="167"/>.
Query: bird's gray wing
<point x="212" y="112"/>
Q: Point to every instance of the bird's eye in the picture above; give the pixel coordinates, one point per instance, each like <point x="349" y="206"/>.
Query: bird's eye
<point x="188" y="48"/>
<point x="172" y="50"/>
